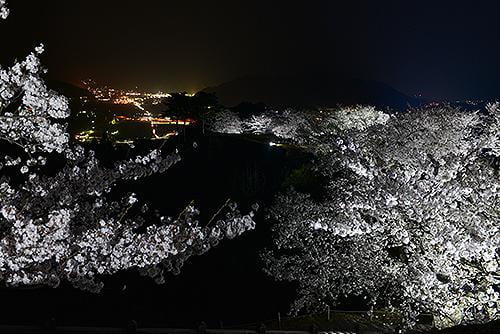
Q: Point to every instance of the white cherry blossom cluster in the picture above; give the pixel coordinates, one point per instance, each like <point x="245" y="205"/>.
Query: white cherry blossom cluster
<point x="258" y="124"/>
<point x="73" y="226"/>
<point x="4" y="11"/>
<point x="285" y="124"/>
<point x="225" y="121"/>
<point x="38" y="252"/>
<point x="409" y="218"/>
<point x="29" y="111"/>
<point x="358" y="117"/>
<point x="61" y="214"/>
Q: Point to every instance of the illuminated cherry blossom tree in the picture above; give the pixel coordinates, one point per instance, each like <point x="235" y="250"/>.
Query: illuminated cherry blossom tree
<point x="61" y="217"/>
<point x="225" y="121"/>
<point x="4" y="11"/>
<point x="285" y="124"/>
<point x="410" y="218"/>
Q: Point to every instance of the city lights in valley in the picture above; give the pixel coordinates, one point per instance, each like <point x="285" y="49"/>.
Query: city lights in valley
<point x="140" y="112"/>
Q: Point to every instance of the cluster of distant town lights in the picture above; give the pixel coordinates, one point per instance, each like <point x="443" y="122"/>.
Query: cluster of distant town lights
<point x="133" y="98"/>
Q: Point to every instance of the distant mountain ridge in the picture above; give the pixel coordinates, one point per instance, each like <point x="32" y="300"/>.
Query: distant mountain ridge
<point x="322" y="90"/>
<point x="68" y="90"/>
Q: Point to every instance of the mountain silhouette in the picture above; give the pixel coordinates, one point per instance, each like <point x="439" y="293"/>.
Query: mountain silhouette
<point x="69" y="90"/>
<point x="322" y="90"/>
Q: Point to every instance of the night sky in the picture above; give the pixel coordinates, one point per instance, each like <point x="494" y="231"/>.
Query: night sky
<point x="441" y="49"/>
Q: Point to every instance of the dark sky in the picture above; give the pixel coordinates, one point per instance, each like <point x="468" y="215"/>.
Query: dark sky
<point x="442" y="49"/>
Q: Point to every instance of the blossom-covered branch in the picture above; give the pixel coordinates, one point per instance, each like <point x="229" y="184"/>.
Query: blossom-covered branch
<point x="4" y="11"/>
<point x="61" y="217"/>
